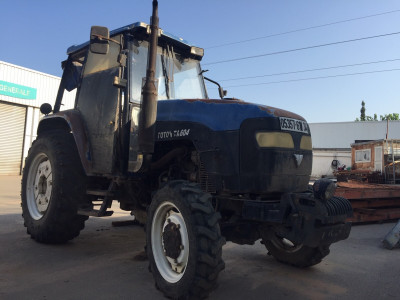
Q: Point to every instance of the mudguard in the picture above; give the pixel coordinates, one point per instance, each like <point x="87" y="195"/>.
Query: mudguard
<point x="73" y="121"/>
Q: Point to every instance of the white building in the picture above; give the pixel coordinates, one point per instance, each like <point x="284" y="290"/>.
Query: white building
<point x="332" y="141"/>
<point x="22" y="91"/>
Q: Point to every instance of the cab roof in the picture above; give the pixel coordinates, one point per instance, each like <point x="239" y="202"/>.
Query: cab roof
<point x="138" y="27"/>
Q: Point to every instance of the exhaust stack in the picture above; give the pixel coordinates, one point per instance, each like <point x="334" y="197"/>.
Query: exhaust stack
<point x="148" y="111"/>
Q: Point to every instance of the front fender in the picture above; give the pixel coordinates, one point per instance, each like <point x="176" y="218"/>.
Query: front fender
<point x="70" y="120"/>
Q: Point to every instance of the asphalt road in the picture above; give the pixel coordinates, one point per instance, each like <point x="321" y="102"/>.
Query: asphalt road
<point x="105" y="262"/>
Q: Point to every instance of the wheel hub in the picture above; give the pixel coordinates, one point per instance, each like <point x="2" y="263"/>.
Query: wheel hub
<point x="39" y="186"/>
<point x="172" y="240"/>
<point x="43" y="184"/>
<point x="285" y="244"/>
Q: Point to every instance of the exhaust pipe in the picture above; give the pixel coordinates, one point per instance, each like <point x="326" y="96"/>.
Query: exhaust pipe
<point x="148" y="111"/>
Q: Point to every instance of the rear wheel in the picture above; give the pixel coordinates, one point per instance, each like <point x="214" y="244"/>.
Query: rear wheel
<point x="184" y="243"/>
<point x="53" y="183"/>
<point x="293" y="253"/>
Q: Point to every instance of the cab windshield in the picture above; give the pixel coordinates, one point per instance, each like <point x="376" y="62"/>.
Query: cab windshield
<point x="178" y="77"/>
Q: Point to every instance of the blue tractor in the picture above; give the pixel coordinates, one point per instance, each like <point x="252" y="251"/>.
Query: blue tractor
<point x="195" y="171"/>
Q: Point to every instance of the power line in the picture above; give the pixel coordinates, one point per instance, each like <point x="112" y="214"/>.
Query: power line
<point x="302" y="29"/>
<point x="312" y="78"/>
<point x="311" y="70"/>
<point x="303" y="48"/>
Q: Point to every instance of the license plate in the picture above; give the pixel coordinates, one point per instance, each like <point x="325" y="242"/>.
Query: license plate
<point x="293" y="125"/>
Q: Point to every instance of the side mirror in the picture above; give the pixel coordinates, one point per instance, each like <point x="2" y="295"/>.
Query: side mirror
<point x="222" y="92"/>
<point x="99" y="40"/>
<point x="45" y="108"/>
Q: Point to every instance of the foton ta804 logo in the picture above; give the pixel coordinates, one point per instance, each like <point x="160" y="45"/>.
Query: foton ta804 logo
<point x="173" y="133"/>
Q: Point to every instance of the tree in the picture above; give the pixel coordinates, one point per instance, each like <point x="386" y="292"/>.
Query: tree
<point x="363" y="117"/>
<point x="362" y="110"/>
<point x="390" y="117"/>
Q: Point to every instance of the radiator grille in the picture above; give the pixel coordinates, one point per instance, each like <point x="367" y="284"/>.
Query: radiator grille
<point x="207" y="183"/>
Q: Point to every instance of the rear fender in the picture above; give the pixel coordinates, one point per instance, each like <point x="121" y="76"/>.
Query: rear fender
<point x="70" y="120"/>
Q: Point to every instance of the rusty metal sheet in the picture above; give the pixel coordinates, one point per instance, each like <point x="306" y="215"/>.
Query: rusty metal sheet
<point x="353" y="190"/>
<point x="375" y="203"/>
<point x="374" y="215"/>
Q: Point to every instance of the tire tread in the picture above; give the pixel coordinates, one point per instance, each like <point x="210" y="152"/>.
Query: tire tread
<point x="63" y="224"/>
<point x="205" y="225"/>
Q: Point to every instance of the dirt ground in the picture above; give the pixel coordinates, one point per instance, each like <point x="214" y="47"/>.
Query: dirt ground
<point x="104" y="262"/>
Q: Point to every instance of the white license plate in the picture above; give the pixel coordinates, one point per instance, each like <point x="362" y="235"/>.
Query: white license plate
<point x="293" y="125"/>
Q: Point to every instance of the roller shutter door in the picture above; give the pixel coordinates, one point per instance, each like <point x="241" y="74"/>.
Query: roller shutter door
<point x="12" y="126"/>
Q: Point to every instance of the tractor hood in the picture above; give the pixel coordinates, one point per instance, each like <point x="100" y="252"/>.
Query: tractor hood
<point x="218" y="115"/>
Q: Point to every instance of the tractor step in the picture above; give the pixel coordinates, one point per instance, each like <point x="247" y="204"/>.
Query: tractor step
<point x="95" y="213"/>
<point x="103" y="193"/>
<point x="105" y="198"/>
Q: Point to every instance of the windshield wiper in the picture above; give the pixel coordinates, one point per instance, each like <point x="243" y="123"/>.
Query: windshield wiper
<point x="166" y="76"/>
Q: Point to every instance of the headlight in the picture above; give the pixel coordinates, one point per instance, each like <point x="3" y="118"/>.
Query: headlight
<point x="197" y="51"/>
<point x="305" y="143"/>
<point x="274" y="140"/>
<point x="324" y="189"/>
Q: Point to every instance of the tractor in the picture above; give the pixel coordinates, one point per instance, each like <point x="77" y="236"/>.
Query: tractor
<point x="195" y="171"/>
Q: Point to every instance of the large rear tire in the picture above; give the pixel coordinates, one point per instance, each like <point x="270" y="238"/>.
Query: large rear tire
<point x="53" y="183"/>
<point x="184" y="242"/>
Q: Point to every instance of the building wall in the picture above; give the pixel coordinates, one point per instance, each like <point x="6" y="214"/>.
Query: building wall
<point x="328" y="138"/>
<point x="46" y="86"/>
<point x="322" y="161"/>
<point x="20" y="86"/>
<point x="367" y="165"/>
<point x="343" y="134"/>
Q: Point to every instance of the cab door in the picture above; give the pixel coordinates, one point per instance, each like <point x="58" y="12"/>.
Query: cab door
<point x="98" y="101"/>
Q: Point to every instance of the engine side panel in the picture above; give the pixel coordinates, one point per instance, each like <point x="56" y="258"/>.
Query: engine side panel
<point x="218" y="151"/>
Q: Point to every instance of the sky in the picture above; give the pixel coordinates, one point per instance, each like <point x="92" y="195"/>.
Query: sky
<point x="36" y="34"/>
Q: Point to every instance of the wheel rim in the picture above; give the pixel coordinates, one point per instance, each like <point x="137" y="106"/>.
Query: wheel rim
<point x="285" y="244"/>
<point x="39" y="186"/>
<point x="170" y="242"/>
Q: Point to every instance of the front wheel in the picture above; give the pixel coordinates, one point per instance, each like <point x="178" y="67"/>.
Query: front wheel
<point x="53" y="183"/>
<point x="293" y="253"/>
<point x="184" y="242"/>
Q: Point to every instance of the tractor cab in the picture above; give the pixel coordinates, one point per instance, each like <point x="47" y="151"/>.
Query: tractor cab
<point x="109" y="73"/>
